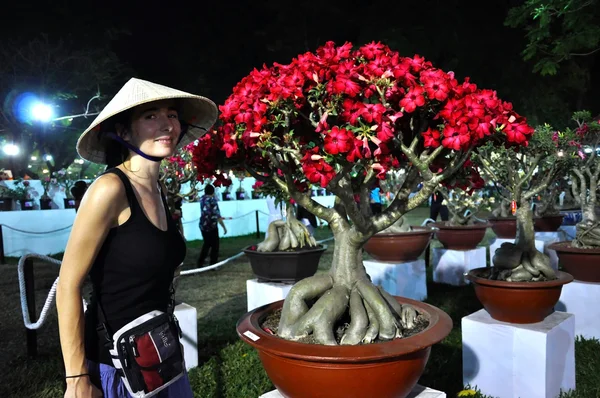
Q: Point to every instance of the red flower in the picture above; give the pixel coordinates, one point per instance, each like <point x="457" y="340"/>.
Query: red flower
<point x="414" y="98"/>
<point x="432" y="138"/>
<point x="338" y="141"/>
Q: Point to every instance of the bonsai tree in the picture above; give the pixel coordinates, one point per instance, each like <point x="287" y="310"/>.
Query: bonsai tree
<point x="341" y="118"/>
<point x="584" y="181"/>
<point x="463" y="206"/>
<point x="524" y="172"/>
<point x="174" y="173"/>
<point x="547" y="201"/>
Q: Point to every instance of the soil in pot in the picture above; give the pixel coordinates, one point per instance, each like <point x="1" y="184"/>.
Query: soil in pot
<point x="400" y="247"/>
<point x="548" y="223"/>
<point x="384" y="369"/>
<point x="285" y="266"/>
<point x="460" y="237"/>
<point x="517" y="302"/>
<point x="582" y="263"/>
<point x="504" y="228"/>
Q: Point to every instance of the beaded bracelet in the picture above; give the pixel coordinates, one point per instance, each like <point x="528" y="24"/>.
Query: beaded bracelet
<point x="74" y="376"/>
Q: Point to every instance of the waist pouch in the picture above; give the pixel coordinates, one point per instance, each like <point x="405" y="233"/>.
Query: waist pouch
<point x="147" y="353"/>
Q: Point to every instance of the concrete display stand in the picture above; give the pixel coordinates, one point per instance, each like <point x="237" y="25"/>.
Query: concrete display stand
<point x="570" y="230"/>
<point x="187" y="316"/>
<point x="417" y="392"/>
<point x="402" y="279"/>
<point x="449" y="266"/>
<point x="539" y="244"/>
<point x="509" y="360"/>
<point x="261" y="293"/>
<point x="549" y="238"/>
<point x="581" y="299"/>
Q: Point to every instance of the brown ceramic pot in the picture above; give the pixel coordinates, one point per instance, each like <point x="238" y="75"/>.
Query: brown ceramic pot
<point x="583" y="264"/>
<point x="461" y="237"/>
<point x="548" y="223"/>
<point x="401" y="247"/>
<point x="384" y="370"/>
<point x="504" y="228"/>
<point x="517" y="302"/>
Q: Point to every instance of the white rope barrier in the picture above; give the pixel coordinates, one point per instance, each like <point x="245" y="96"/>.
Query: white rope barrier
<point x="36" y="233"/>
<point x="52" y="293"/>
<point x="22" y="289"/>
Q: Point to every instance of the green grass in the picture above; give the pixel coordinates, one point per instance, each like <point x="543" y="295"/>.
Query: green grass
<point x="229" y="368"/>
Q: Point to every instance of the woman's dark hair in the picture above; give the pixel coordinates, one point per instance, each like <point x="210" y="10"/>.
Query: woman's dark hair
<point x="115" y="153"/>
<point x="78" y="189"/>
<point x="209" y="189"/>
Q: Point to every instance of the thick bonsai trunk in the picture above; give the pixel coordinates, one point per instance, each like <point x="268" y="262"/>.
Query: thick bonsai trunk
<point x="588" y="230"/>
<point x="290" y="234"/>
<point x="521" y="261"/>
<point x="345" y="289"/>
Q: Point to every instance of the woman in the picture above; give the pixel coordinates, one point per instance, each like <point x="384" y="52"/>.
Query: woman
<point x="122" y="235"/>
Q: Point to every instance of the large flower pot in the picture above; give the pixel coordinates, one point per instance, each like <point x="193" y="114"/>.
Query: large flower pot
<point x="26" y="204"/>
<point x="460" y="237"/>
<point x="384" y="370"/>
<point x="548" y="223"/>
<point x="517" y="302"/>
<point x="6" y="204"/>
<point x="288" y="266"/>
<point x="400" y="247"/>
<point x="583" y="264"/>
<point x="504" y="228"/>
<point x="45" y="204"/>
<point x="69" y="203"/>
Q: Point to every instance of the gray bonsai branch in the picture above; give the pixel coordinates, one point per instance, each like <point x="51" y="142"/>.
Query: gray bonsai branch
<point x="347" y="288"/>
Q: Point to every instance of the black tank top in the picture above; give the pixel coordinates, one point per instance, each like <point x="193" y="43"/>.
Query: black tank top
<point x="132" y="272"/>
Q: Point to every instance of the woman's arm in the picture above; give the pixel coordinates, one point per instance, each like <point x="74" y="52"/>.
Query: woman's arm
<point x="99" y="211"/>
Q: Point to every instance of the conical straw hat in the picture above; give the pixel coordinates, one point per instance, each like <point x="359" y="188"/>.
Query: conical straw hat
<point x="193" y="109"/>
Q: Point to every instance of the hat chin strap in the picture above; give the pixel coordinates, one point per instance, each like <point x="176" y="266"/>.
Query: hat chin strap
<point x="137" y="150"/>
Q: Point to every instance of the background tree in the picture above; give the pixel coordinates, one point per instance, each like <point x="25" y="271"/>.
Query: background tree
<point x="73" y="79"/>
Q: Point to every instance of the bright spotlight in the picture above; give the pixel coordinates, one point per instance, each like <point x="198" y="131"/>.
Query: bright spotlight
<point x="11" y="149"/>
<point x="588" y="150"/>
<point x="48" y="158"/>
<point x="41" y="112"/>
<point x="34" y="158"/>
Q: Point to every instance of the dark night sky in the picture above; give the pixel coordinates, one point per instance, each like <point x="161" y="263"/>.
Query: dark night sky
<point x="207" y="47"/>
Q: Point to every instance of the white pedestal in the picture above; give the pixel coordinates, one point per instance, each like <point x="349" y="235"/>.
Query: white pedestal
<point x="511" y="361"/>
<point x="549" y="238"/>
<point x="188" y="322"/>
<point x="261" y="293"/>
<point x="581" y="299"/>
<point x="403" y="279"/>
<point x="417" y="392"/>
<point x="449" y="266"/>
<point x="570" y="230"/>
<point x="539" y="244"/>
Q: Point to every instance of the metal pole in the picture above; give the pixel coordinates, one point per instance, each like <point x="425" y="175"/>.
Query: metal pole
<point x="2" y="259"/>
<point x="257" y="225"/>
<point x="30" y="295"/>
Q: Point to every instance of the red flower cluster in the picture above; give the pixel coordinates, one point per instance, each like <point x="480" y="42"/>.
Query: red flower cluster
<point x="346" y="104"/>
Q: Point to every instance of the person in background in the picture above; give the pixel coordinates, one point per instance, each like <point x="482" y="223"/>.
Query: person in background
<point x="437" y="207"/>
<point x="78" y="190"/>
<point x="209" y="219"/>
<point x="376" y="206"/>
<point x="308" y="219"/>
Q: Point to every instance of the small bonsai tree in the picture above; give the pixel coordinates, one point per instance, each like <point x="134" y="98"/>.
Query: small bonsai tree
<point x="175" y="172"/>
<point x="524" y="172"/>
<point x="584" y="181"/>
<point x="341" y="118"/>
<point x="463" y="207"/>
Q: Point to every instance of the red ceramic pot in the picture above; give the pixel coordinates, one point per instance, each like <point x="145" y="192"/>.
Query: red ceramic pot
<point x="504" y="228"/>
<point x="400" y="247"/>
<point x="517" y="302"/>
<point x="583" y="264"/>
<point x="461" y="237"/>
<point x="548" y="223"/>
<point x="384" y="370"/>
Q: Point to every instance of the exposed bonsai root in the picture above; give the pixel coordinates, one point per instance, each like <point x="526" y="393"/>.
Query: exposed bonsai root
<point x="513" y="264"/>
<point x="373" y="313"/>
<point x="286" y="235"/>
<point x="397" y="227"/>
<point x="587" y="234"/>
<point x="502" y="211"/>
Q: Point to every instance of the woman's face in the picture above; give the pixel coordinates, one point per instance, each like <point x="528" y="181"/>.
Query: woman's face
<point x="155" y="128"/>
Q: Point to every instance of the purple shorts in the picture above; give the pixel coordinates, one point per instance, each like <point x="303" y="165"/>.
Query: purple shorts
<point x="113" y="387"/>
